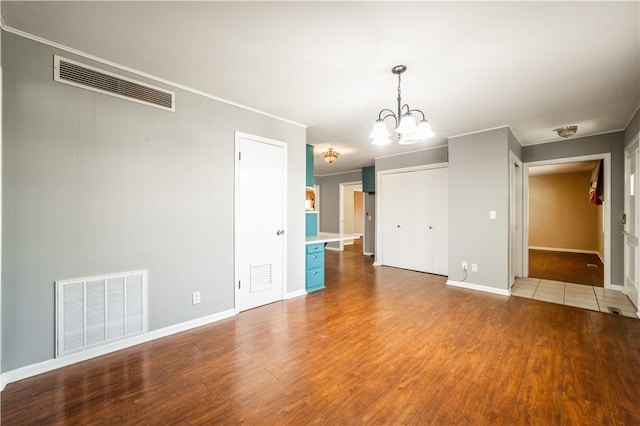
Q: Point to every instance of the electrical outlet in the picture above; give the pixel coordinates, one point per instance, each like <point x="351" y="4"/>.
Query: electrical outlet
<point x="195" y="297"/>
<point x="464" y="265"/>
<point x="474" y="267"/>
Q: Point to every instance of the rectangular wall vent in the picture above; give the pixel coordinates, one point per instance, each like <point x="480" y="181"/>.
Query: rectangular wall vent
<point x="261" y="278"/>
<point x="94" y="311"/>
<point x="91" y="78"/>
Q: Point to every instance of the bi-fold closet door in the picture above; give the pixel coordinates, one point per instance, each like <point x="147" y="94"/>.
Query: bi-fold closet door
<point x="415" y="220"/>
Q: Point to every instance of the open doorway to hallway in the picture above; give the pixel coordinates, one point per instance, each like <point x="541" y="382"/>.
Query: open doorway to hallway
<point x="566" y="233"/>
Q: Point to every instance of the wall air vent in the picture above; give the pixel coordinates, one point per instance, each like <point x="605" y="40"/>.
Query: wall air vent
<point x="95" y="311"/>
<point x="87" y="77"/>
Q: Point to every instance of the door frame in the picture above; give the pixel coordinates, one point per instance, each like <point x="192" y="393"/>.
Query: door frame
<point x="606" y="158"/>
<point x="236" y="197"/>
<point x="379" y="196"/>
<point x="341" y="208"/>
<point x="516" y="229"/>
<point x="634" y="144"/>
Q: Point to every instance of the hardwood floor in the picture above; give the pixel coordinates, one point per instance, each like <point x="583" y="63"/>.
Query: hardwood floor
<point x="378" y="346"/>
<point x="577" y="268"/>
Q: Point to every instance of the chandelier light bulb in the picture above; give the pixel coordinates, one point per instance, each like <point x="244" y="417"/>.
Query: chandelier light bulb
<point x="379" y="130"/>
<point x="381" y="140"/>
<point x="424" y="131"/>
<point x="407" y="124"/>
<point x="407" y="139"/>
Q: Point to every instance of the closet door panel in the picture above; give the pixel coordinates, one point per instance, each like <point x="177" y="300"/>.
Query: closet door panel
<point x="423" y="197"/>
<point x="389" y="206"/>
<point x="406" y="221"/>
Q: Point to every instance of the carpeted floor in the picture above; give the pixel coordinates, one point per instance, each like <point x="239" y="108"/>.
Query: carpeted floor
<point x="578" y="268"/>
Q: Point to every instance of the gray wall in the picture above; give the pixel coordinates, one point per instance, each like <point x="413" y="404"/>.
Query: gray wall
<point x="514" y="144"/>
<point x="479" y="183"/>
<point x="612" y="143"/>
<point x="93" y="184"/>
<point x="417" y="158"/>
<point x="370" y="223"/>
<point x="632" y="129"/>
<point x="330" y="199"/>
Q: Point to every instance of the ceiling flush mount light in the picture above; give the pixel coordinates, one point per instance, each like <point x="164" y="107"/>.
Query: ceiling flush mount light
<point x="330" y="155"/>
<point x="405" y="123"/>
<point x="566" y="131"/>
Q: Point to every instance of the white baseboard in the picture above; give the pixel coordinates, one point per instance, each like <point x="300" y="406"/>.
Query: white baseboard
<point x="478" y="287"/>
<point x="52" y="364"/>
<point x="366" y="253"/>
<point x="294" y="294"/>
<point x="332" y="248"/>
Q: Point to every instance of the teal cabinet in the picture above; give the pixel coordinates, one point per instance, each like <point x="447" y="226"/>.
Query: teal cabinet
<point x="309" y="179"/>
<point x="311" y="224"/>
<point x="314" y="265"/>
<point x="369" y="180"/>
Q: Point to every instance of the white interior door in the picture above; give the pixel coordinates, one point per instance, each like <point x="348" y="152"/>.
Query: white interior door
<point x="260" y="219"/>
<point x="632" y="225"/>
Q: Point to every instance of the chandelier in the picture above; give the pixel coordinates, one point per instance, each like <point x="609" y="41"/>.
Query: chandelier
<point x="405" y="124"/>
<point x="330" y="155"/>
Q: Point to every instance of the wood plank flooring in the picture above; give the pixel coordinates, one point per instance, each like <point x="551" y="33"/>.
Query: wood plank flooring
<point x="566" y="267"/>
<point x="378" y="346"/>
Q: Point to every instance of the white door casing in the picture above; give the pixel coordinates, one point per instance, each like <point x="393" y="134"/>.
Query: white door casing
<point x="344" y="211"/>
<point x="260" y="206"/>
<point x="606" y="157"/>
<point x="515" y="218"/>
<point x="632" y="225"/>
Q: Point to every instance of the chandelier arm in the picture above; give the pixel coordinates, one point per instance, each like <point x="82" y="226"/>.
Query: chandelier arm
<point x="406" y="108"/>
<point x="417" y="110"/>
<point x="389" y="114"/>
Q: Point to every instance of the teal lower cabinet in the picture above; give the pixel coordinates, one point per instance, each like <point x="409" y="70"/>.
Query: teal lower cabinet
<point x="315" y="267"/>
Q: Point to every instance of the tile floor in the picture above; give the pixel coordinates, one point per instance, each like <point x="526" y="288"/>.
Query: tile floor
<point x="578" y="295"/>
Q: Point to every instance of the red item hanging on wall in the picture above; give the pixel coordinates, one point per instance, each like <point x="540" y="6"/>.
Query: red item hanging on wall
<point x="595" y="186"/>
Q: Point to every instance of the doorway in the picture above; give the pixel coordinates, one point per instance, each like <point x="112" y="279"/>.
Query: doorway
<point x="348" y="210"/>
<point x="556" y="228"/>
<point x="260" y="206"/>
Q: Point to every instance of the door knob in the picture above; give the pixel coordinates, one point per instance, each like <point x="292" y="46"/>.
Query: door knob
<point x="280" y="232"/>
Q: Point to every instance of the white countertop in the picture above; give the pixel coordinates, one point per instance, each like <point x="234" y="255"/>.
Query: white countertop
<point x="329" y="237"/>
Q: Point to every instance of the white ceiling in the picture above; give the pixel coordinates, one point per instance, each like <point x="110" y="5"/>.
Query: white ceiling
<point x="533" y="66"/>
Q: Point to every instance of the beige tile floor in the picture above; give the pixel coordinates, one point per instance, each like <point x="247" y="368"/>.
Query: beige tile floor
<point x="578" y="295"/>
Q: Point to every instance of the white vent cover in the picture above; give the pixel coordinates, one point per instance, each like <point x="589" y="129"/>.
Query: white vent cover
<point x="96" y="310"/>
<point x="260" y="277"/>
<point x="91" y="78"/>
